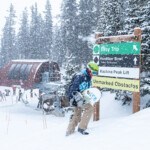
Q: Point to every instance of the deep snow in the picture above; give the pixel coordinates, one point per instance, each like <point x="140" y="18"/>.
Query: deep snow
<point x="22" y="127"/>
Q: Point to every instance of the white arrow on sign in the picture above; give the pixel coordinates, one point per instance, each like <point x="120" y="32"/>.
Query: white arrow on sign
<point x="135" y="60"/>
<point x="135" y="48"/>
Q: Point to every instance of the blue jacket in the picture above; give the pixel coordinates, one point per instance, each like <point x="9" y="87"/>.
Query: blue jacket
<point x="80" y="83"/>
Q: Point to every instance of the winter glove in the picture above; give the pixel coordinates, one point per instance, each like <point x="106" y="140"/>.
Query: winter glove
<point x="78" y="98"/>
<point x="73" y="102"/>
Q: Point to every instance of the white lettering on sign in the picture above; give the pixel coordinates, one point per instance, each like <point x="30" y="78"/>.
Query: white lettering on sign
<point x="106" y="58"/>
<point x="119" y="72"/>
<point x="105" y="49"/>
<point x="115" y="49"/>
<point x="117" y="58"/>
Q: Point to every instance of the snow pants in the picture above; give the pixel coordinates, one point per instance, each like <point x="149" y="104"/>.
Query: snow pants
<point x="78" y="117"/>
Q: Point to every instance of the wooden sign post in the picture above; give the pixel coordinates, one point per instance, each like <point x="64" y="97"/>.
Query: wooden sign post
<point x="119" y="47"/>
<point x="136" y="95"/>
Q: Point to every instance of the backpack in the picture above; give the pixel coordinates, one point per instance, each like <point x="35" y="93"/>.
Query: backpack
<point x="68" y="92"/>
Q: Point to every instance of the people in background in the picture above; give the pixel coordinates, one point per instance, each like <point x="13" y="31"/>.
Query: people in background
<point x="40" y="98"/>
<point x="20" y="95"/>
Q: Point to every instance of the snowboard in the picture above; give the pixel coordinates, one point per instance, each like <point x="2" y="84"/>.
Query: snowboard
<point x="92" y="95"/>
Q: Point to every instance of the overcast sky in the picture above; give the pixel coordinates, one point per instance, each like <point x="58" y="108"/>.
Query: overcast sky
<point x="19" y="5"/>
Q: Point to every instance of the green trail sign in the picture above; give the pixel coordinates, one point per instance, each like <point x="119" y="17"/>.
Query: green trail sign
<point x="117" y="48"/>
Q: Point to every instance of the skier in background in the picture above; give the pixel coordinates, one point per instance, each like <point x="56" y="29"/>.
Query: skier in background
<point x="40" y="98"/>
<point x="20" y="95"/>
<point x="2" y="96"/>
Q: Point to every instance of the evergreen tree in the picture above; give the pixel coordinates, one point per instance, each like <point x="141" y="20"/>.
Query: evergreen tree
<point x="138" y="15"/>
<point x="69" y="31"/>
<point x="97" y="10"/>
<point x="57" y="48"/>
<point x="109" y="19"/>
<point x="101" y="23"/>
<point x="132" y="16"/>
<point x="23" y="43"/>
<point x="36" y="36"/>
<point x="8" y="49"/>
<point x="87" y="25"/>
<point x="145" y="26"/>
<point x="47" y="26"/>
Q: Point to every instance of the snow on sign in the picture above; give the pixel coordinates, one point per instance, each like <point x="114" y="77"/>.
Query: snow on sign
<point x="116" y="83"/>
<point x="120" y="48"/>
<point x="121" y="72"/>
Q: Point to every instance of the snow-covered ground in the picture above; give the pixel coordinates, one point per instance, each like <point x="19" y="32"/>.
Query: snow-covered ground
<point x="22" y="127"/>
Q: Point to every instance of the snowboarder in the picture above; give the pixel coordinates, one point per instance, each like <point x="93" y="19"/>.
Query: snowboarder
<point x="80" y="83"/>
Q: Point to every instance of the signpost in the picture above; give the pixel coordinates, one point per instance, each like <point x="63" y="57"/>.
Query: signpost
<point x="119" y="61"/>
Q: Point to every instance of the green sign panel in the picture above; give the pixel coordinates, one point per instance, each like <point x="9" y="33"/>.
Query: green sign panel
<point x="118" y="48"/>
<point x="96" y="49"/>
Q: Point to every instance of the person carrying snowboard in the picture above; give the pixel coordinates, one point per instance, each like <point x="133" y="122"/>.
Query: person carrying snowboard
<point x="81" y="82"/>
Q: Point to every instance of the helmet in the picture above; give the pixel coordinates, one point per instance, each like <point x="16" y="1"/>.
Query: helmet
<point x="93" y="66"/>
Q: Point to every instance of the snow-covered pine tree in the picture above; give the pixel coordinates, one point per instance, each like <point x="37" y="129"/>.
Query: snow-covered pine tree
<point x="87" y="24"/>
<point x="36" y="30"/>
<point x="69" y="31"/>
<point x="145" y="69"/>
<point x="132" y="15"/>
<point x="101" y="23"/>
<point x="42" y="52"/>
<point x="109" y="19"/>
<point x="8" y="49"/>
<point x="145" y="26"/>
<point x="23" y="37"/>
<point x="58" y="51"/>
<point x="69" y="71"/>
<point x="48" y="31"/>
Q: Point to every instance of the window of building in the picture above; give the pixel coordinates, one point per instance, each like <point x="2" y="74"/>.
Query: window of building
<point x="27" y="71"/>
<point x="16" y="72"/>
<point x="11" y="71"/>
<point x="22" y="71"/>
